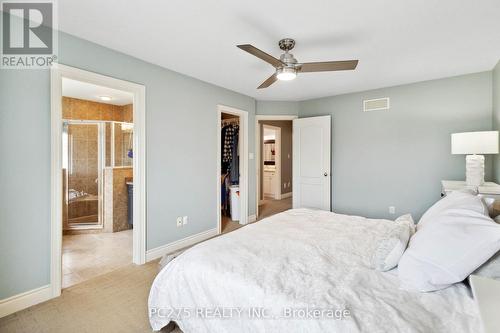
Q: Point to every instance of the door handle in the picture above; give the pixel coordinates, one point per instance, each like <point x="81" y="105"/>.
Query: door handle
<point x="325" y="174"/>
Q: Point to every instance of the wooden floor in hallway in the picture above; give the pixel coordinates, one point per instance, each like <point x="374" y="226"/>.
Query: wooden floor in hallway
<point x="271" y="207"/>
<point x="266" y="209"/>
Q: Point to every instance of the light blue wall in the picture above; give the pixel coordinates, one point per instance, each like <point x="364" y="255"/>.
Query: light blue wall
<point x="24" y="180"/>
<point x="180" y="163"/>
<point x="398" y="157"/>
<point x="496" y="114"/>
<point x="277" y="108"/>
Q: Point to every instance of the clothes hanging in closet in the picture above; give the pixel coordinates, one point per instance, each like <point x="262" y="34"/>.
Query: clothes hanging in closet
<point x="225" y="194"/>
<point x="230" y="160"/>
<point x="235" y="163"/>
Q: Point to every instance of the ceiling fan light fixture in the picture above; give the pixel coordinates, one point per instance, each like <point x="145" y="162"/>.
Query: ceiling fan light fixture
<point x="286" y="73"/>
<point x="287" y="67"/>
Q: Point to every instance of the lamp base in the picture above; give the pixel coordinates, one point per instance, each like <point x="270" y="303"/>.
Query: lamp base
<point x="474" y="170"/>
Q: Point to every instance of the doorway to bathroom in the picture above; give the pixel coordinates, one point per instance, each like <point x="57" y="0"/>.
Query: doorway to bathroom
<point x="97" y="169"/>
<point x="97" y="176"/>
<point x="274" y="164"/>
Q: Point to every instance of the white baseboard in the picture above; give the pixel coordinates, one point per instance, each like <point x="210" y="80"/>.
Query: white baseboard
<point x="286" y="195"/>
<point x="160" y="251"/>
<point x="24" y="300"/>
<point x="252" y="218"/>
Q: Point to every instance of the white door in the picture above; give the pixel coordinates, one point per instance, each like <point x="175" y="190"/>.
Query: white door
<point x="311" y="162"/>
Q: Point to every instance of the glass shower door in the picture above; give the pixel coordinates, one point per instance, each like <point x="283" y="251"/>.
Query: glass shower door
<point x="82" y="167"/>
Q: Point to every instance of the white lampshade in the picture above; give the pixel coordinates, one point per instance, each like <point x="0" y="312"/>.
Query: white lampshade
<point x="485" y="142"/>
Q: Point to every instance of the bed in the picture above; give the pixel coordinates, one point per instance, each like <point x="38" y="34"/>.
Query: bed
<point x="300" y="271"/>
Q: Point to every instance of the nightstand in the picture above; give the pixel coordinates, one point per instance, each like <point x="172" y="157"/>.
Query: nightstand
<point x="488" y="189"/>
<point x="487" y="297"/>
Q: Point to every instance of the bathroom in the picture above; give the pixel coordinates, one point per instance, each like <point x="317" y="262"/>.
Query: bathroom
<point x="97" y="170"/>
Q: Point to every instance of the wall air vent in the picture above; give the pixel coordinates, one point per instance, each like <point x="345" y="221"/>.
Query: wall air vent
<point x="376" y="104"/>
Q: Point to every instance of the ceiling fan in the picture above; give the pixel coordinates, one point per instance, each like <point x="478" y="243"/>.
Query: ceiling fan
<point x="287" y="66"/>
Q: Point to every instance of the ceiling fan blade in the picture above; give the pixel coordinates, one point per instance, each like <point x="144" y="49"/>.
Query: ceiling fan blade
<point x="261" y="54"/>
<point x="326" y="66"/>
<point x="270" y="80"/>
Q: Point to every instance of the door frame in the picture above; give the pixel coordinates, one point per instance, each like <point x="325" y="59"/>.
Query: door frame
<point x="277" y="159"/>
<point x="243" y="144"/>
<point x="258" y="149"/>
<point x="58" y="72"/>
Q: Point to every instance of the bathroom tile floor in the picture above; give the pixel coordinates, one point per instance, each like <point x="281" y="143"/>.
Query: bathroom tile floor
<point x="89" y="255"/>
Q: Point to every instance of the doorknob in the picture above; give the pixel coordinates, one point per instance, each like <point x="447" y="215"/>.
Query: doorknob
<point x="325" y="174"/>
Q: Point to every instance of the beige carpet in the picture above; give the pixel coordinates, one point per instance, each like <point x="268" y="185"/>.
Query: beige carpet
<point x="113" y="302"/>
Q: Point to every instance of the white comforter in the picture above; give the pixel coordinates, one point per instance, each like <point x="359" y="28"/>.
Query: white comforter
<point x="287" y="266"/>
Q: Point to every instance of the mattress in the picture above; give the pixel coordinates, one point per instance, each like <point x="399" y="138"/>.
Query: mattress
<point x="300" y="271"/>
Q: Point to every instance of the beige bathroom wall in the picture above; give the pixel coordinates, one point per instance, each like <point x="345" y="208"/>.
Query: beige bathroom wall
<point x="116" y="199"/>
<point x="74" y="108"/>
<point x="128" y="113"/>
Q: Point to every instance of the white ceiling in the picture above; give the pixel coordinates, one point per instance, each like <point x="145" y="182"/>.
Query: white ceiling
<point x="395" y="41"/>
<point x="92" y="92"/>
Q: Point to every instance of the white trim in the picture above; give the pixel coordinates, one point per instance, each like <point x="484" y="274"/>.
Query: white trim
<point x="112" y="145"/>
<point x="24" y="300"/>
<point x="58" y="72"/>
<point x="275" y="117"/>
<point x="257" y="151"/>
<point x="252" y="218"/>
<point x="286" y="195"/>
<point x="243" y="141"/>
<point x="160" y="251"/>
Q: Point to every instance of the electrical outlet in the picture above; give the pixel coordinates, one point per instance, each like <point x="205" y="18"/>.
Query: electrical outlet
<point x="392" y="210"/>
<point x="289" y="184"/>
<point x="184" y="220"/>
<point x="179" y="221"/>
<point x="284" y="185"/>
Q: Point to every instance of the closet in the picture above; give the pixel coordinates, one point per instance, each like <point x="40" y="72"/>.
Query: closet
<point x="230" y="168"/>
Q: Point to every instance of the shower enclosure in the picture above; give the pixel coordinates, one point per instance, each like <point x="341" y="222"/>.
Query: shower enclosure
<point x="88" y="147"/>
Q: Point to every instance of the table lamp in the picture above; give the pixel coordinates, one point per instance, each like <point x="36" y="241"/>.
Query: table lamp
<point x="474" y="144"/>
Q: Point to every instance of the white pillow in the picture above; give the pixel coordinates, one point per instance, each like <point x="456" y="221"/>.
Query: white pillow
<point x="392" y="246"/>
<point x="450" y="247"/>
<point x="466" y="199"/>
